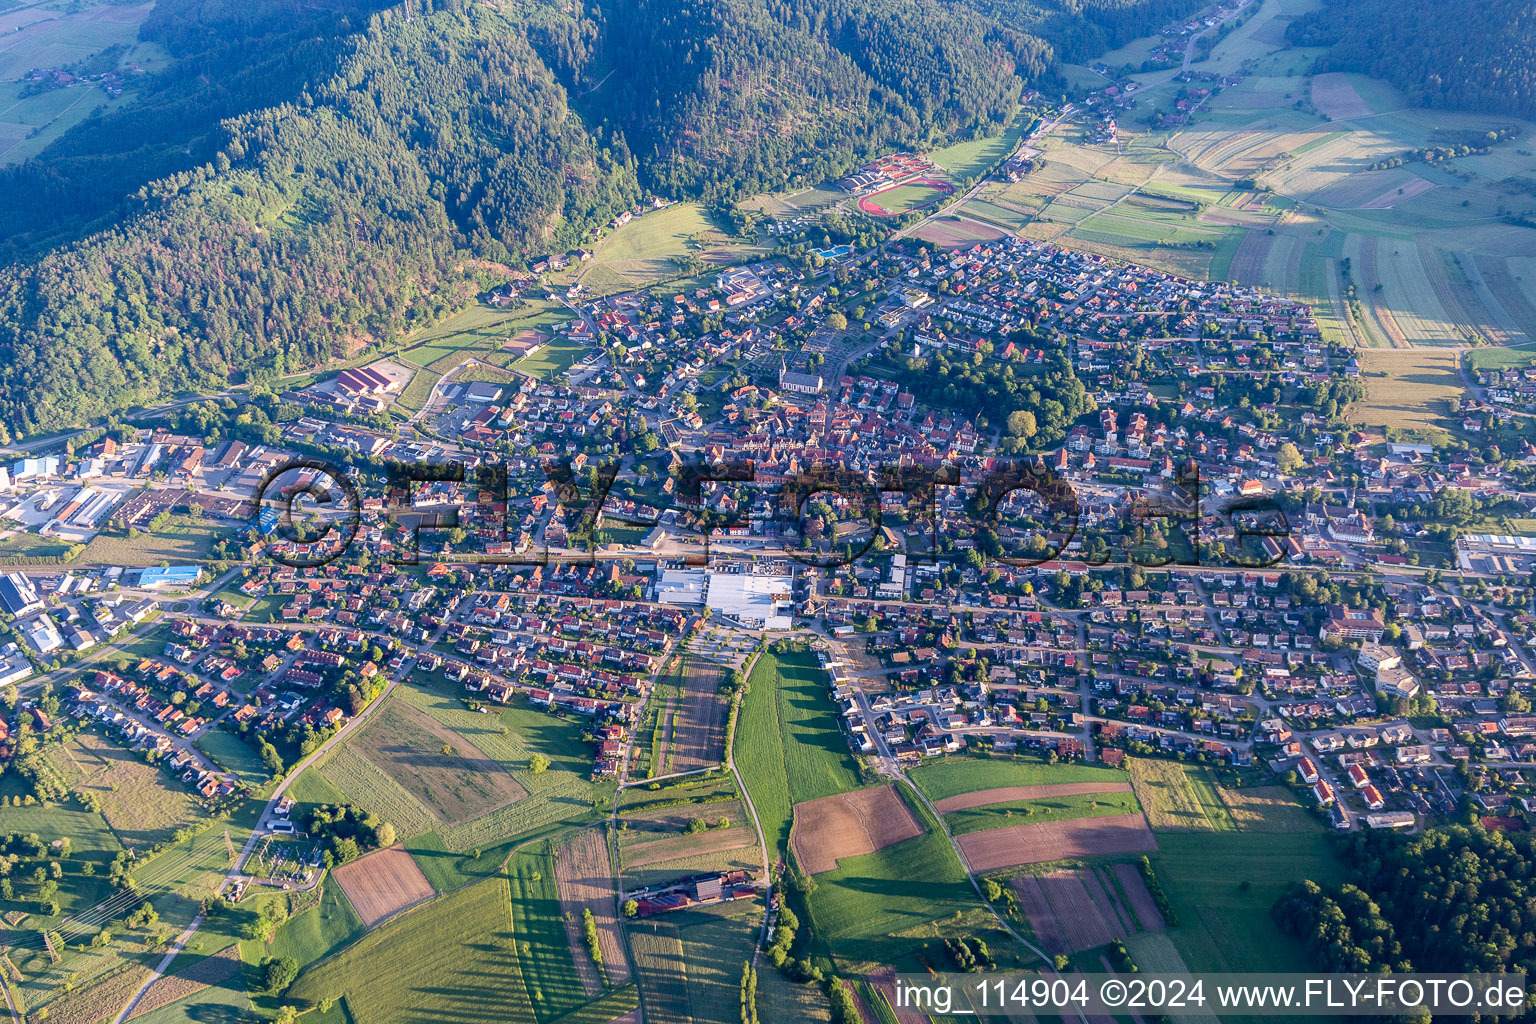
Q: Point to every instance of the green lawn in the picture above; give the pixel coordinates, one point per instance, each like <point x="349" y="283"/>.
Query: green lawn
<point x="1222" y="884"/>
<point x="543" y="949"/>
<point x="316" y="933"/>
<point x="233" y="754"/>
<point x="1036" y="812"/>
<point x="558" y="355"/>
<point x="953" y="776"/>
<point x="1501" y="358"/>
<point x="976" y="156"/>
<point x="788" y="745"/>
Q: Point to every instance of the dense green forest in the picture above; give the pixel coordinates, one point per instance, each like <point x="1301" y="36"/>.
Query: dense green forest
<point x="230" y="58"/>
<point x="307" y="180"/>
<point x="1454" y="898"/>
<point x="1468" y="56"/>
<point x="317" y="227"/>
<point x="1082" y="30"/>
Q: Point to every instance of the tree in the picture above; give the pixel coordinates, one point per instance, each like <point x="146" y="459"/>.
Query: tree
<point x="385" y="835"/>
<point x="278" y="972"/>
<point x="631" y="908"/>
<point x="1288" y="458"/>
<point x="538" y="763"/>
<point x="1021" y="423"/>
<point x="837" y="321"/>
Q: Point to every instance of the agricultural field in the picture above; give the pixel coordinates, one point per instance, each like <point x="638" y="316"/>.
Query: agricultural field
<point x="1073" y="909"/>
<point x="382" y="884"/>
<point x="1430" y="257"/>
<point x="1011" y="794"/>
<point x="745" y="857"/>
<point x="878" y="907"/>
<point x="1015" y="845"/>
<point x="1178" y="796"/>
<point x="141" y="803"/>
<point x="584" y="878"/>
<point x="486" y="783"/>
<point x="1409" y="389"/>
<point x="222" y="970"/>
<point x="957" y="776"/>
<point x="698" y="726"/>
<point x="788" y="745"/>
<point x="354" y="779"/>
<point x="952" y="232"/>
<point x="544" y="948"/>
<point x="849" y="825"/>
<point x="690" y="963"/>
<point x="176" y="881"/>
<point x="453" y="960"/>
<point x="42" y="36"/>
<point x="660" y="836"/>
<point x="1039" y="811"/>
<point x="1267" y="809"/>
<point x="443" y="770"/>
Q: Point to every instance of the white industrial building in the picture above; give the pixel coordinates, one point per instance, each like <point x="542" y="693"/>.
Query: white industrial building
<point x="756" y="600"/>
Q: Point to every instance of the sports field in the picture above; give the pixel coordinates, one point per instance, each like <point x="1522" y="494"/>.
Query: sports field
<point x="914" y="195"/>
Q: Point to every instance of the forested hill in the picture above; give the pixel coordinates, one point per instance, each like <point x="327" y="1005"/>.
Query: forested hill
<point x="319" y="226"/>
<point x="1470" y="56"/>
<point x="1451" y="899"/>
<point x="307" y="179"/>
<point x="231" y="57"/>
